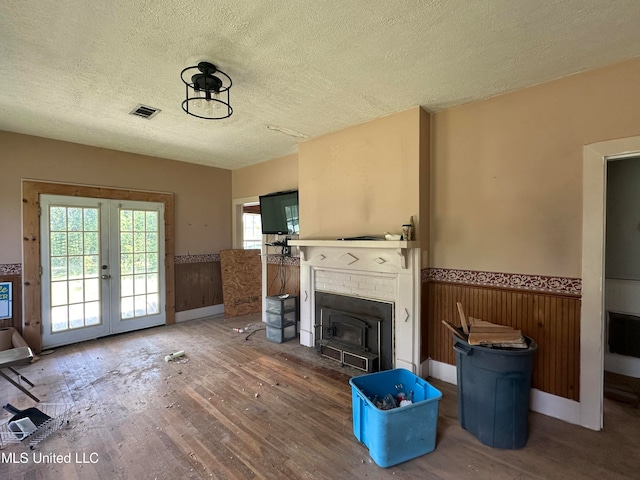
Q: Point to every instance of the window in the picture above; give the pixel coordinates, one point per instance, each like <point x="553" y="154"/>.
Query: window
<point x="251" y="231"/>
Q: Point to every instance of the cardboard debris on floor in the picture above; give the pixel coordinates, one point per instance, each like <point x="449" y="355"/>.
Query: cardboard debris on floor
<point x="481" y="332"/>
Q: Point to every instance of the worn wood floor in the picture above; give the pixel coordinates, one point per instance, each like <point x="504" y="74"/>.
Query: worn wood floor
<point x="244" y="409"/>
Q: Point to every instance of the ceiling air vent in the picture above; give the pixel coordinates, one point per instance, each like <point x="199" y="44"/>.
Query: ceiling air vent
<point x="145" y="111"/>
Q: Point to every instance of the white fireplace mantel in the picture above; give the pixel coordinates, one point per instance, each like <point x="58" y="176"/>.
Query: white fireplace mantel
<point x="401" y="247"/>
<point x="387" y="271"/>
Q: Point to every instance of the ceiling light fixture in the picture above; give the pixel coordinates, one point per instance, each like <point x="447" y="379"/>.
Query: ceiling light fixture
<point x="207" y="92"/>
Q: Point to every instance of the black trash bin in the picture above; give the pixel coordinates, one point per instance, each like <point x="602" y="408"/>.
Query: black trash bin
<point x="493" y="392"/>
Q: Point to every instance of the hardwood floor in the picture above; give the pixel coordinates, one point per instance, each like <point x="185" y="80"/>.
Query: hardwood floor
<point x="244" y="409"/>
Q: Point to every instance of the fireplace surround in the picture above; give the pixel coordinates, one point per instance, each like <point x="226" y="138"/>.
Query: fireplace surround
<point x="382" y="271"/>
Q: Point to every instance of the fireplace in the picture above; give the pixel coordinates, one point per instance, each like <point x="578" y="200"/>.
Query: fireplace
<point x="384" y="272"/>
<point x="354" y="331"/>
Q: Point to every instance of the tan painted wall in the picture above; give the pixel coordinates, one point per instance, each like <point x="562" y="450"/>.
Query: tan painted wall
<point x="363" y="180"/>
<point x="203" y="194"/>
<point x="506" y="173"/>
<point x="272" y="176"/>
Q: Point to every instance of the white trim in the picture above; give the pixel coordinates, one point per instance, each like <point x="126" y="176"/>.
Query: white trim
<point x="236" y="219"/>
<point x="540" y="402"/>
<point x="555" y="406"/>
<point x="592" y="312"/>
<point x="195" y="313"/>
<point x="443" y="371"/>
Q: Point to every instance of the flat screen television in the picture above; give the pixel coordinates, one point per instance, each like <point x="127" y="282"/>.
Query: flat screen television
<point x="279" y="213"/>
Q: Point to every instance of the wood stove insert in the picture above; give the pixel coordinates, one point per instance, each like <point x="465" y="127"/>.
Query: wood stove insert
<point x="354" y="331"/>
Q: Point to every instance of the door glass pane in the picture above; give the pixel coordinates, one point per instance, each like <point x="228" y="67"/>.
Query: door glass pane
<point x="59" y="319"/>
<point x="92" y="313"/>
<point x="139" y="257"/>
<point x="74" y="266"/>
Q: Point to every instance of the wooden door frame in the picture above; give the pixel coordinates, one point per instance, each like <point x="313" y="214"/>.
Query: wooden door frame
<point x="32" y="293"/>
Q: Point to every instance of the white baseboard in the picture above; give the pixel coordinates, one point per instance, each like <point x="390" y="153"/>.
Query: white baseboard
<point x="199" y="313"/>
<point x="541" y="402"/>
<point x="555" y="406"/>
<point x="442" y="371"/>
<point x="629" y="366"/>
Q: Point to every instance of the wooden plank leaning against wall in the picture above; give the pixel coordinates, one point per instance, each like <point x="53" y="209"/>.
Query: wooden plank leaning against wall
<point x="31" y="191"/>
<point x="553" y="320"/>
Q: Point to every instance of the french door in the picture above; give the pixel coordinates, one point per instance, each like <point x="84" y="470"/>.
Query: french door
<point x="102" y="265"/>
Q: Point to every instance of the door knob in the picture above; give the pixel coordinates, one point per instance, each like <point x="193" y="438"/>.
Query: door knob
<point x="106" y="277"/>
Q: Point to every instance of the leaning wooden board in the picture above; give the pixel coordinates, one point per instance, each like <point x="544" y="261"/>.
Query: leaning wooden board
<point x="478" y="338"/>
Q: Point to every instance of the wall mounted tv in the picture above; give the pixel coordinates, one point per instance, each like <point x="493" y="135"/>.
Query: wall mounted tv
<point x="279" y="213"/>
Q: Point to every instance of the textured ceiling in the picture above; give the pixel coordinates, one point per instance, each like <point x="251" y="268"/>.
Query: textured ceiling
<point x="73" y="70"/>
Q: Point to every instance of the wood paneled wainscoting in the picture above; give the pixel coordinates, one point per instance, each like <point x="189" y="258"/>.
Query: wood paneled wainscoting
<point x="198" y="281"/>
<point x="283" y="275"/>
<point x="551" y="319"/>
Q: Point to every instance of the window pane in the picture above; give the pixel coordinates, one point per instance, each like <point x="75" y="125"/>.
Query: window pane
<point x="58" y="244"/>
<point x="126" y="242"/>
<point x="152" y="242"/>
<point x="58" y="219"/>
<point x="139" y="220"/>
<point x="139" y="263"/>
<point x="126" y="220"/>
<point x="91" y="268"/>
<point x="76" y="267"/>
<point x="140" y="284"/>
<point x="92" y="289"/>
<point x="59" y="319"/>
<point x="152" y="262"/>
<point x="75" y="243"/>
<point x="75" y="219"/>
<point x="92" y="313"/>
<point x="91" y="243"/>
<point x="76" y="315"/>
<point x="139" y="242"/>
<point x="152" y="221"/>
<point x="152" y="304"/>
<point x="58" y="268"/>
<point x="152" y="283"/>
<point x="76" y="291"/>
<point x="126" y="264"/>
<point x="91" y="219"/>
<point x="59" y="293"/>
<point x="126" y="307"/>
<point x="126" y="286"/>
<point x="141" y="305"/>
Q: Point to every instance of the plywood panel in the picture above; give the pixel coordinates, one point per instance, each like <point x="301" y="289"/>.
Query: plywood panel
<point x="241" y="282"/>
<point x="198" y="285"/>
<point x="552" y="320"/>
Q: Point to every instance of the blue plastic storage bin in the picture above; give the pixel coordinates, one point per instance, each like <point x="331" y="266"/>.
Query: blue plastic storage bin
<point x="494" y="386"/>
<point x="400" y="434"/>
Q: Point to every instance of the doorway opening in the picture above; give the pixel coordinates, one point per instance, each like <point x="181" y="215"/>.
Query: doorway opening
<point x="622" y="281"/>
<point x="592" y="314"/>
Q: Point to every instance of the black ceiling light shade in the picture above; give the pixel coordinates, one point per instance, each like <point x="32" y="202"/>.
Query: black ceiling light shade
<point x="207" y="92"/>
